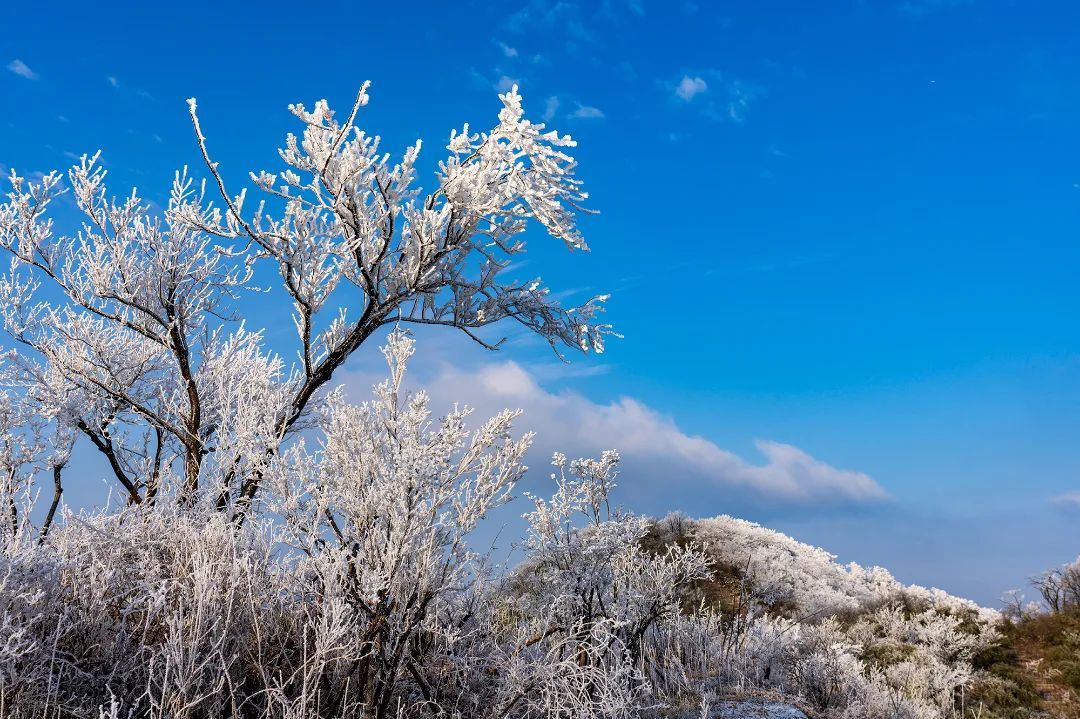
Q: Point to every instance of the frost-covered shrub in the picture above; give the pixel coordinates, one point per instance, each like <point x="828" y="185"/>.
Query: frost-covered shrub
<point x="350" y="590"/>
<point x="353" y="592"/>
<point x="594" y="596"/>
<point x="845" y="639"/>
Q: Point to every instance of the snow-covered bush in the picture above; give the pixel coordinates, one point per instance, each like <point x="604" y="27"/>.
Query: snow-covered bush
<point x="847" y="640"/>
<point x="593" y="594"/>
<point x="351" y="591"/>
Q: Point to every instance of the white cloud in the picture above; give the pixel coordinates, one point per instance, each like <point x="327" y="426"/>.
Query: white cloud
<point x="21" y="69"/>
<point x="587" y="112"/>
<point x="714" y="96"/>
<point x="660" y="459"/>
<point x="505" y="83"/>
<point x="688" y="87"/>
<point x="507" y="50"/>
<point x="551" y="106"/>
<point x="112" y="81"/>
<point x="1070" y="501"/>
<point x="558" y="15"/>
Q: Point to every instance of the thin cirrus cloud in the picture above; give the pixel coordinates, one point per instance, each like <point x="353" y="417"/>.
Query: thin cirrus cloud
<point x="563" y="16"/>
<point x="1068" y="502"/>
<point x="21" y="69"/>
<point x="741" y="97"/>
<point x="551" y="106"/>
<point x="587" y="112"/>
<point x="505" y="83"/>
<point x="717" y="98"/>
<point x="660" y="459"/>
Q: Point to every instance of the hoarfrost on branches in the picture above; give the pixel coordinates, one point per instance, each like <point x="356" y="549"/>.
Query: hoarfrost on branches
<point x="129" y="331"/>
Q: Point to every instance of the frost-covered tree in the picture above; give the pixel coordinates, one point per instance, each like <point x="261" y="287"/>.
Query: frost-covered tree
<point x="1060" y="587"/>
<point x="128" y="331"/>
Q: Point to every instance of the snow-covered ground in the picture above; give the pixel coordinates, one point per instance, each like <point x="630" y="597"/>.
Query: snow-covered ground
<point x="755" y="710"/>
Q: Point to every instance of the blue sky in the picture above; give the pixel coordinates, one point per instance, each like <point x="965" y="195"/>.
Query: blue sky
<point x="853" y="230"/>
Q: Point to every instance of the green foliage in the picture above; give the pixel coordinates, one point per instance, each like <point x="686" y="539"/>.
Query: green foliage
<point x="886" y="654"/>
<point x="1033" y="672"/>
<point x="1004" y="689"/>
<point x="1054" y="639"/>
<point x="999" y="697"/>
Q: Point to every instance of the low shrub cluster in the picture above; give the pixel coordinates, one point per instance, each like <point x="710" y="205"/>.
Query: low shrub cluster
<point x="350" y="590"/>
